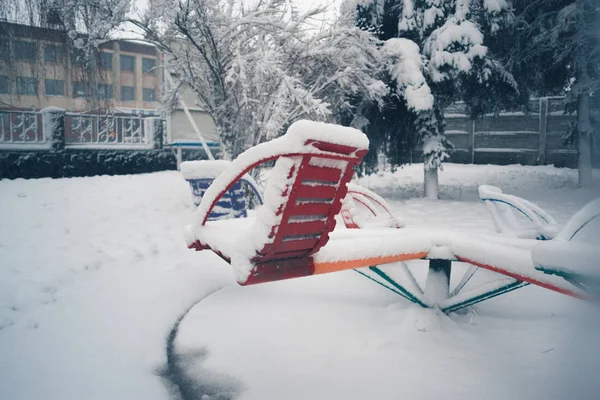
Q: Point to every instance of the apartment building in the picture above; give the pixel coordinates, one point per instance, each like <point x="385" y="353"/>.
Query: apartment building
<point x="39" y="68"/>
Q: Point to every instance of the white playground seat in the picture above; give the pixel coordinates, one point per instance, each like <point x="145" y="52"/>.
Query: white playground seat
<point x="570" y="256"/>
<point x="502" y="208"/>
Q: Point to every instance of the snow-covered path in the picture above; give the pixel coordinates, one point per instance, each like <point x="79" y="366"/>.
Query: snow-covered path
<point x="94" y="273"/>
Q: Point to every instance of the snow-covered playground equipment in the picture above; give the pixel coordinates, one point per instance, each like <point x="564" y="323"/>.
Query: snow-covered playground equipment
<point x="201" y="174"/>
<point x="293" y="233"/>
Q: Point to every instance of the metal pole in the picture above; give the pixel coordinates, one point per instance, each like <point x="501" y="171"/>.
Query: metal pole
<point x="543" y="127"/>
<point x="437" y="286"/>
<point x="191" y="119"/>
<point x="179" y="158"/>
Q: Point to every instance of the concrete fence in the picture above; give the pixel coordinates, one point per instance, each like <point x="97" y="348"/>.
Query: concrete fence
<point x="536" y="138"/>
<point x="53" y="143"/>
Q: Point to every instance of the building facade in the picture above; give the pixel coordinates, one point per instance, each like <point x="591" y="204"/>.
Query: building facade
<point x="40" y="68"/>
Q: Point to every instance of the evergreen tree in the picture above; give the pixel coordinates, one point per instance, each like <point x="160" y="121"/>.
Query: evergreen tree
<point x="556" y="50"/>
<point x="440" y="58"/>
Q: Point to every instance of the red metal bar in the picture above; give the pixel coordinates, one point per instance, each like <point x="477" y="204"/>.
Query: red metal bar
<point x="525" y="278"/>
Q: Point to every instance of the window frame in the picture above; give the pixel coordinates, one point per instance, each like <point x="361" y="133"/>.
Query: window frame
<point x="18" y="43"/>
<point x="152" y="69"/>
<point x="132" y="92"/>
<point x="4" y="49"/>
<point x="144" y="91"/>
<point x="107" y="66"/>
<point x="102" y="92"/>
<point x="5" y="79"/>
<point x="58" y="56"/>
<point x="30" y="80"/>
<point x="54" y="82"/>
<point x="124" y="57"/>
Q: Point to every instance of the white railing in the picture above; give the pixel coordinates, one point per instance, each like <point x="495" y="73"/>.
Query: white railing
<point x="21" y="129"/>
<point x="111" y="131"/>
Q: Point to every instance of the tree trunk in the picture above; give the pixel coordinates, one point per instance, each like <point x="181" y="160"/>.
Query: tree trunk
<point x="431" y="183"/>
<point x="582" y="85"/>
<point x="584" y="142"/>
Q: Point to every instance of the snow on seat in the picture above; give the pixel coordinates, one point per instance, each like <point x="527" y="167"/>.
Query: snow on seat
<point x="515" y="262"/>
<point x="574" y="253"/>
<point x="565" y="262"/>
<point x="201" y="174"/>
<point x="502" y="206"/>
<point x="314" y="162"/>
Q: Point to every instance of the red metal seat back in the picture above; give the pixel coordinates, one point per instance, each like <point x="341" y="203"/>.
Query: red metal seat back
<point x="314" y="162"/>
<point x="304" y="194"/>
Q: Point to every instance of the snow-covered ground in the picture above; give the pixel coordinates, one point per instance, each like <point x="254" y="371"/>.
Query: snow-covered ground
<point x="94" y="273"/>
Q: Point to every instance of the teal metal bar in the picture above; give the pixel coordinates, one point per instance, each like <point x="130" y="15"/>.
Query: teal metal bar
<point x="398" y="287"/>
<point x="485" y="296"/>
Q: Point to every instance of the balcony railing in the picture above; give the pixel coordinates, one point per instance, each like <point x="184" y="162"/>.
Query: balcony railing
<point x="21" y="128"/>
<point x="106" y="131"/>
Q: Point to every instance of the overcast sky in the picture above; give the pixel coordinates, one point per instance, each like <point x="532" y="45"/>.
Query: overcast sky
<point x="130" y="32"/>
<point x="301" y="4"/>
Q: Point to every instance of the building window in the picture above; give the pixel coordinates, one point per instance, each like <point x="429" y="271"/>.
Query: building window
<point x="149" y="94"/>
<point x="3" y="84"/>
<point x="80" y="89"/>
<point x="105" y="92"/>
<point x="53" y="54"/>
<point x="3" y="50"/>
<point x="148" y="65"/>
<point x="26" y="86"/>
<point x="127" y="93"/>
<point x="54" y="87"/>
<point x="106" y="60"/>
<point x="127" y="63"/>
<point x="24" y="50"/>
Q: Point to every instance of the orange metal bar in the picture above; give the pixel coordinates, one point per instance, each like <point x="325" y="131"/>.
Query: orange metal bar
<point x="325" y="267"/>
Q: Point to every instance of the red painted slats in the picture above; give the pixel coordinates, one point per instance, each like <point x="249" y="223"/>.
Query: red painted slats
<point x="321" y="174"/>
<point x="301" y="228"/>
<point x="297" y="245"/>
<point x="310" y="209"/>
<point x="315" y="192"/>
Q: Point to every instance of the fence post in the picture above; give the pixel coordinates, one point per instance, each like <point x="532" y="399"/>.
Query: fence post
<point x="471" y="145"/>
<point x="159" y="133"/>
<point x="543" y="130"/>
<point x="53" y="126"/>
<point x="156" y="126"/>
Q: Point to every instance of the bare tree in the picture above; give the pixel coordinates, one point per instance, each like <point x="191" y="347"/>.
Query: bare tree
<point x="257" y="69"/>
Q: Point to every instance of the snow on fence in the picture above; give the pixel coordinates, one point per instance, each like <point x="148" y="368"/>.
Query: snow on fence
<point x="21" y="129"/>
<point x="107" y="131"/>
<point x="513" y="137"/>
